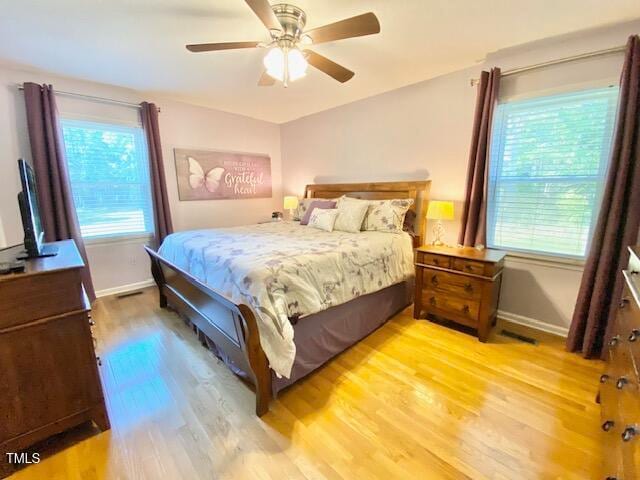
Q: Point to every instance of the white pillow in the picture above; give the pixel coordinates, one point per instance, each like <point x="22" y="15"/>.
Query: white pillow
<point x="387" y="215"/>
<point x="323" y="218"/>
<point x="350" y="216"/>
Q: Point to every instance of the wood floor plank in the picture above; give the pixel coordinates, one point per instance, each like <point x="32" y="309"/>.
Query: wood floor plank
<point x="412" y="400"/>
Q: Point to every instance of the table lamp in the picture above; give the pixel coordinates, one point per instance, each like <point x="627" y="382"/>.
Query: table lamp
<point x="439" y="210"/>
<point x="290" y="203"/>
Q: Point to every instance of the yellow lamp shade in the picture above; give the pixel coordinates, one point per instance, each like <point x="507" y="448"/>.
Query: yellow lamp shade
<point x="440" y="210"/>
<point x="290" y="203"/>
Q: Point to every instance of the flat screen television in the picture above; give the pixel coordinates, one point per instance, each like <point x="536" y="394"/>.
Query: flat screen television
<point x="28" y="201"/>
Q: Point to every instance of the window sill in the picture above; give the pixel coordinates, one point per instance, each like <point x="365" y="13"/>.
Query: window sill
<point x="566" y="263"/>
<point x="115" y="239"/>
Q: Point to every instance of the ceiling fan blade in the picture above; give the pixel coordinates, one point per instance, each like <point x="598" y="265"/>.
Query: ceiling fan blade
<point x="263" y="10"/>
<point x="329" y="67"/>
<point x="266" y="80"/>
<point x="365" y="24"/>
<point x="210" y="47"/>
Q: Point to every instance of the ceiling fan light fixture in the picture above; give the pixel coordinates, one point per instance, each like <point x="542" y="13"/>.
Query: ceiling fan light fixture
<point x="274" y="63"/>
<point x="286" y="64"/>
<point x="297" y="64"/>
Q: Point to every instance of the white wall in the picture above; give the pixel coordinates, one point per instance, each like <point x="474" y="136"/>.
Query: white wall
<point x="117" y="264"/>
<point x="423" y="131"/>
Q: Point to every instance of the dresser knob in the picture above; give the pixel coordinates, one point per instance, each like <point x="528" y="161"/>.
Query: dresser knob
<point x="633" y="336"/>
<point x="465" y="309"/>
<point x="624" y="302"/>
<point x="628" y="434"/>
<point x="608" y="425"/>
<point x="468" y="268"/>
<point x="611" y="478"/>
<point x="603" y="378"/>
<point x="99" y="360"/>
<point x="91" y="322"/>
<point x="468" y="287"/>
<point x="622" y="381"/>
<point x="614" y="341"/>
<point x="436" y="261"/>
<point x="434" y="280"/>
<point x="432" y="301"/>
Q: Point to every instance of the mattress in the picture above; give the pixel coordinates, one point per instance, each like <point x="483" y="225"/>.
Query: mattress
<point x="286" y="271"/>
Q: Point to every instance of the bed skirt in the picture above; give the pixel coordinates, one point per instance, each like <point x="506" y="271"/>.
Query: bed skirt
<point x="321" y="336"/>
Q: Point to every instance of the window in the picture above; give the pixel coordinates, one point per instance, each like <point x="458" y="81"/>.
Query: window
<point x="548" y="161"/>
<point x="109" y="172"/>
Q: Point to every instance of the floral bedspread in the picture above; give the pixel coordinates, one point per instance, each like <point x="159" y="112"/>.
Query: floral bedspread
<point x="284" y="270"/>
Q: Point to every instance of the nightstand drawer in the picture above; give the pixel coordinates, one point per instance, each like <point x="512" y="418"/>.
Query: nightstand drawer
<point x="435" y="260"/>
<point x="452" y="284"/>
<point x="468" y="266"/>
<point x="462" y="310"/>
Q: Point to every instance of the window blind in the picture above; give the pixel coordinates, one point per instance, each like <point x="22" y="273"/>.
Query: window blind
<point x="548" y="161"/>
<point x="109" y="173"/>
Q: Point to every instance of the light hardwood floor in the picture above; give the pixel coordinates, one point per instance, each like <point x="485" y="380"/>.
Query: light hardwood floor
<point x="413" y="400"/>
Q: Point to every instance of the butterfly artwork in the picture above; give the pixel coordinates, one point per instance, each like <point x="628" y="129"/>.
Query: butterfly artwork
<point x="198" y="178"/>
<point x="214" y="175"/>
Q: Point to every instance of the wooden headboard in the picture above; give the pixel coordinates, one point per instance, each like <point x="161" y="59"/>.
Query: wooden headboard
<point x="418" y="191"/>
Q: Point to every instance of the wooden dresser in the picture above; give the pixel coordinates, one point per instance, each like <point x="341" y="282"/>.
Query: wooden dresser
<point x="49" y="377"/>
<point x="619" y="384"/>
<point x="459" y="284"/>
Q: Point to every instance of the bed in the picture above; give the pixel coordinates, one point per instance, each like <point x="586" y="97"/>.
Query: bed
<point x="276" y="301"/>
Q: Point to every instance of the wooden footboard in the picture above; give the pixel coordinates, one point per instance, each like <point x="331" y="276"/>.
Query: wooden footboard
<point x="230" y="326"/>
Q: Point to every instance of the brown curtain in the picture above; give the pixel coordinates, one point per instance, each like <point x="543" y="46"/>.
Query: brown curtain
<point x="161" y="212"/>
<point x="473" y="230"/>
<point x="618" y="222"/>
<point x="57" y="211"/>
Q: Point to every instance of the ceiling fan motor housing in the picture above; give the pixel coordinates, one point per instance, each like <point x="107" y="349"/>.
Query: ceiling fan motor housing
<point x="292" y="19"/>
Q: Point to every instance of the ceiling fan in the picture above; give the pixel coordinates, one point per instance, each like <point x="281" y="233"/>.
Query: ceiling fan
<point x="289" y="54"/>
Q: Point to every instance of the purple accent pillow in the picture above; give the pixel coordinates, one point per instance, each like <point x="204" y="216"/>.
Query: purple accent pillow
<point x="322" y="204"/>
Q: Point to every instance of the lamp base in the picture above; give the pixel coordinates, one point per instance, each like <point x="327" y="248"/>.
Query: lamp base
<point x="438" y="233"/>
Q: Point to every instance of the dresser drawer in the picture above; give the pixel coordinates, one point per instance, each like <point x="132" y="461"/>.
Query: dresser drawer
<point x="468" y="266"/>
<point x="441" y="261"/>
<point x="452" y="284"/>
<point x="462" y="310"/>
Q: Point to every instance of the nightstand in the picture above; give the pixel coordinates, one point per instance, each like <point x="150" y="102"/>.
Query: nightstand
<point x="459" y="284"/>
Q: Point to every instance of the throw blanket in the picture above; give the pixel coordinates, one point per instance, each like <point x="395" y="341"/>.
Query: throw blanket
<point x="284" y="270"/>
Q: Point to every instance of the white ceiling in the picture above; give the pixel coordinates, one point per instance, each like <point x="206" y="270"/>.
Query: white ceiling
<point x="140" y="44"/>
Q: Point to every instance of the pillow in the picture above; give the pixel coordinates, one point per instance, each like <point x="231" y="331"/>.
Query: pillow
<point x="303" y="205"/>
<point x="387" y="215"/>
<point x="316" y="204"/>
<point x="350" y="216"/>
<point x="323" y="218"/>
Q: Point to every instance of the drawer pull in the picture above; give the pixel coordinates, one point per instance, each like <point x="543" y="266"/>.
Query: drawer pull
<point x="621" y="382"/>
<point x="434" y="280"/>
<point x="465" y="309"/>
<point x="436" y="261"/>
<point x="624" y="302"/>
<point x="91" y="322"/>
<point x="468" y="288"/>
<point x="614" y="341"/>
<point x="603" y="378"/>
<point x="468" y="268"/>
<point x="633" y="336"/>
<point x="611" y="478"/>
<point x="432" y="300"/>
<point x="608" y="425"/>
<point x="628" y="434"/>
<point x="99" y="360"/>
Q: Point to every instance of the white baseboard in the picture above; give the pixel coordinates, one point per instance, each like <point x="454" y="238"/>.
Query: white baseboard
<point x="533" y="323"/>
<point x="125" y="288"/>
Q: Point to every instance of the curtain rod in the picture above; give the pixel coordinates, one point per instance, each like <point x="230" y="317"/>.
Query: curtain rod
<point x="573" y="58"/>
<point x="94" y="98"/>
